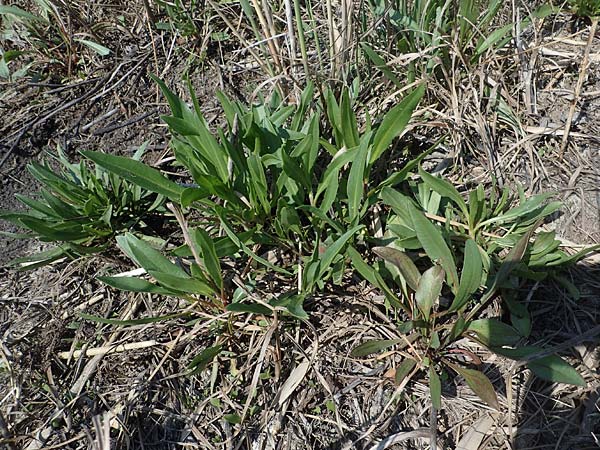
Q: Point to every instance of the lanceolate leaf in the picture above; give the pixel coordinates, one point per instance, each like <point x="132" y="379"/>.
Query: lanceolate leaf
<point x="470" y="278"/>
<point x="334" y="249"/>
<point x="145" y="256"/>
<point x="550" y="368"/>
<point x="355" y="185"/>
<point x="134" y="284"/>
<point x="373" y="277"/>
<point x="404" y="369"/>
<point x="199" y="363"/>
<point x="202" y="240"/>
<point x="435" y="388"/>
<point x="554" y="368"/>
<point x="137" y="173"/>
<point x="511" y="261"/>
<point x="445" y="189"/>
<point x="349" y="127"/>
<point x="434" y="244"/>
<point x="429" y="289"/>
<point x="373" y="346"/>
<point x="406" y="266"/>
<point x="480" y="384"/>
<point x="493" y="333"/>
<point x="394" y="122"/>
<point x="525" y="208"/>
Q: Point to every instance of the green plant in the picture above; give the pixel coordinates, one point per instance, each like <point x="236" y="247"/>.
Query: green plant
<point x="585" y="8"/>
<point x="448" y="270"/>
<point x="81" y="209"/>
<point x="261" y="181"/>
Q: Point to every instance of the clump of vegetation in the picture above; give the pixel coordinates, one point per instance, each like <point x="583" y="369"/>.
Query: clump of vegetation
<point x="448" y="260"/>
<point x="81" y="209"/>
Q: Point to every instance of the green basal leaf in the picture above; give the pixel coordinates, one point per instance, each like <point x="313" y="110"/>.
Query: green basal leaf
<point x="435" y="246"/>
<point x="205" y="244"/>
<point x="404" y="369"/>
<point x="147" y="257"/>
<point x="137" y="173"/>
<point x="494" y="333"/>
<point x="134" y="285"/>
<point x="520" y="211"/>
<point x="334" y="249"/>
<point x="445" y="189"/>
<point x="356" y="177"/>
<point x="407" y="267"/>
<point x="394" y="122"/>
<point x="252" y="308"/>
<point x="199" y="363"/>
<point x="435" y="388"/>
<point x="470" y="278"/>
<point x="509" y="263"/>
<point x="374" y="346"/>
<point x="348" y="121"/>
<point x="550" y="368"/>
<point x="187" y="284"/>
<point x="554" y="368"/>
<point x="480" y="384"/>
<point x="293" y="303"/>
<point x="429" y="289"/>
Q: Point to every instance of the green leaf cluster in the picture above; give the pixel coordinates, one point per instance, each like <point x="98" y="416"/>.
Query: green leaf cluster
<point x="80" y="208"/>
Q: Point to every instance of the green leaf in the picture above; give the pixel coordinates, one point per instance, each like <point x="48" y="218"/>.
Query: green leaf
<point x="334" y="249"/>
<point x="429" y="289"/>
<point x="494" y="38"/>
<point x="554" y="368"/>
<point x="100" y="49"/>
<point x="233" y="419"/>
<point x="407" y="267"/>
<point x="61" y="232"/>
<point x="445" y="189"/>
<point x="204" y="242"/>
<point x="404" y="369"/>
<point x="434" y="244"/>
<point x="293" y="303"/>
<point x="480" y="384"/>
<point x="355" y="185"/>
<point x="252" y="308"/>
<point x="349" y="127"/>
<point x="39" y="259"/>
<point x="522" y="210"/>
<point x="371" y="275"/>
<point x="435" y="388"/>
<point x="18" y="12"/>
<point x="137" y="173"/>
<point x="494" y="333"/>
<point x="199" y="363"/>
<point x="134" y="284"/>
<point x="509" y="263"/>
<point x="394" y="122"/>
<point x="182" y="284"/>
<point x="470" y="278"/>
<point x="147" y="257"/>
<point x="550" y="368"/>
<point x="374" y="346"/>
<point x="244" y="248"/>
<point x="379" y="62"/>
